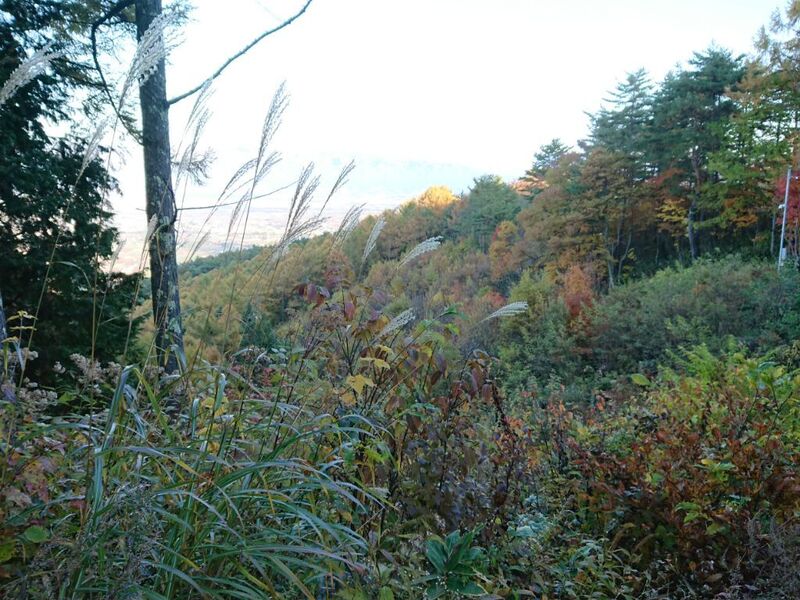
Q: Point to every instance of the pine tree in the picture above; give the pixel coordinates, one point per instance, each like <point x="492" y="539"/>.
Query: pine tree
<point x="624" y="126"/>
<point x="690" y="111"/>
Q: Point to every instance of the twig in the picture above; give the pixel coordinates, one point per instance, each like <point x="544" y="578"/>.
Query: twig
<point x="112" y="12"/>
<point x="239" y="54"/>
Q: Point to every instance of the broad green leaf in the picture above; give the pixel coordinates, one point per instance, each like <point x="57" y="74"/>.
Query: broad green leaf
<point x="386" y="594"/>
<point x="6" y="550"/>
<point x="692" y="516"/>
<point x="435" y="591"/>
<point x="436" y="554"/>
<point x="36" y="534"/>
<point x="472" y="589"/>
<point x="715" y="528"/>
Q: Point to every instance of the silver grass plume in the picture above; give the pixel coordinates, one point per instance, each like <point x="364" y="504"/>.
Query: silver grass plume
<point x="428" y="245"/>
<point x="112" y="263"/>
<point x="266" y="165"/>
<point x="264" y="161"/>
<point x="200" y="105"/>
<point x="244" y="181"/>
<point x="401" y="320"/>
<point x="93" y="146"/>
<point x="153" y="47"/>
<point x="190" y="164"/>
<point x="271" y="123"/>
<point x="28" y="70"/>
<point x="297" y="224"/>
<point x="235" y="183"/>
<point x="195" y="247"/>
<point x="152" y="225"/>
<point x="373" y="238"/>
<point x="340" y="181"/>
<point x="307" y="184"/>
<point x="509" y="310"/>
<point x="298" y="232"/>
<point x="195" y="124"/>
<point x="348" y="224"/>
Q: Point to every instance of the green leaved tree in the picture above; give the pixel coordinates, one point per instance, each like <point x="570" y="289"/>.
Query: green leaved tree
<point x="488" y="203"/>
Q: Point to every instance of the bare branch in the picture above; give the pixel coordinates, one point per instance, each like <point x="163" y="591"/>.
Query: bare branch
<point x="239" y="54"/>
<point x="112" y="12"/>
<point x="256" y="197"/>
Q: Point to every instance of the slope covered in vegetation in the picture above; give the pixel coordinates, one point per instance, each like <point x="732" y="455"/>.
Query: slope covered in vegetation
<point x="582" y="384"/>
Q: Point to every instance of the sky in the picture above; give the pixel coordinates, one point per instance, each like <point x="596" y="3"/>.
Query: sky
<point x="416" y="92"/>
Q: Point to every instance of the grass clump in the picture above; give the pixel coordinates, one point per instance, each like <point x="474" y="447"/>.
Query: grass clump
<point x="233" y="495"/>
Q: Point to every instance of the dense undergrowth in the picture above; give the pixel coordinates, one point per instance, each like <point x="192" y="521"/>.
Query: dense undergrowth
<point x="584" y="384"/>
<point x="363" y="458"/>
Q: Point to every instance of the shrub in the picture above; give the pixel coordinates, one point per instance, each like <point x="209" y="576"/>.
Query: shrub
<point x="636" y="326"/>
<point x="686" y="472"/>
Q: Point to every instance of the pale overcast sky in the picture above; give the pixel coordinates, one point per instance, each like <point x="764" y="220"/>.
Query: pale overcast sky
<point x="422" y="92"/>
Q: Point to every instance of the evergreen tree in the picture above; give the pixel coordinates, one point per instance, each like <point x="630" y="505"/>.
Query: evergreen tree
<point x="546" y="158"/>
<point x="489" y="202"/>
<point x="624" y="126"/>
<point x="690" y="112"/>
<point x="535" y="179"/>
<point x="55" y="223"/>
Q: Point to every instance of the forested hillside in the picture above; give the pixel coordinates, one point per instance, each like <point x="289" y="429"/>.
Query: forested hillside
<point x="583" y="383"/>
<point x="675" y="177"/>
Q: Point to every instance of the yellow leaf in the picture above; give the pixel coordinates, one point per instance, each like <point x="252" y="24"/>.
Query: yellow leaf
<point x="389" y="351"/>
<point x="358" y="382"/>
<point x="377" y="362"/>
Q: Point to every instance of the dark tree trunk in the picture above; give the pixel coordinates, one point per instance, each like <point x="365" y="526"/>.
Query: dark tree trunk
<point x="160" y="202"/>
